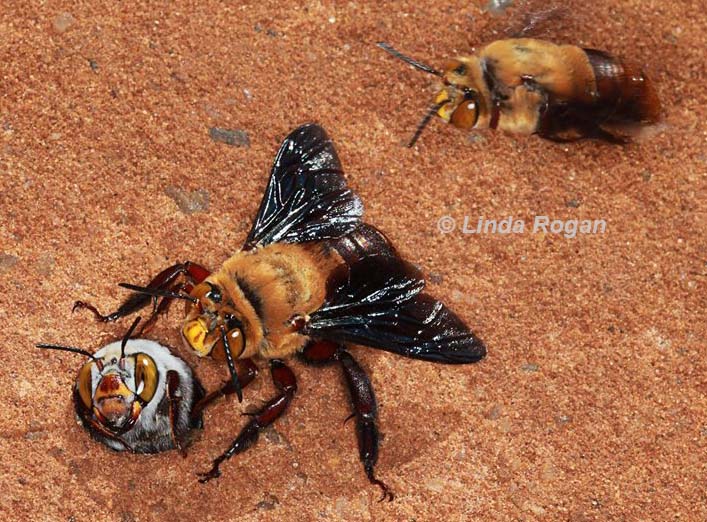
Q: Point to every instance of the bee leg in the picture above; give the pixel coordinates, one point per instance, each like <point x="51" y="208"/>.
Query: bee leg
<point x="175" y="400"/>
<point x="365" y="411"/>
<point x="319" y="353"/>
<point x="165" y="279"/>
<point x="162" y="307"/>
<point x="285" y="381"/>
<point x="594" y="131"/>
<point x="247" y="370"/>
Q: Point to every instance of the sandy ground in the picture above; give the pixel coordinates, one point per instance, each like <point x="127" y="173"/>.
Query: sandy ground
<point x="591" y="403"/>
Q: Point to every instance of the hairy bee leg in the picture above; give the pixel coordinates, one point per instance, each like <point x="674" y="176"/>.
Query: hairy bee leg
<point x="247" y="371"/>
<point x="524" y="110"/>
<point x="163" y="280"/>
<point x="365" y="411"/>
<point x="285" y="381"/>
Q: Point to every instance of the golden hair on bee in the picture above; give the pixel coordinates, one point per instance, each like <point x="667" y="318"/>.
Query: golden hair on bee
<point x="528" y="86"/>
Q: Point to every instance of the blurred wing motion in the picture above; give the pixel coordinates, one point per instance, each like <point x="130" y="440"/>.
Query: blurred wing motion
<point x="377" y="302"/>
<point x="306" y="198"/>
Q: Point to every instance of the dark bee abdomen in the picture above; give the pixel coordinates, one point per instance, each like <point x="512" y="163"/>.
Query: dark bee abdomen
<point x="364" y="241"/>
<point x="624" y="91"/>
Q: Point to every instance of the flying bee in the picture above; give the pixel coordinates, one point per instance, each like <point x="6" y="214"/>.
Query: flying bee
<point x="135" y="395"/>
<point x="311" y="280"/>
<point x="529" y="86"/>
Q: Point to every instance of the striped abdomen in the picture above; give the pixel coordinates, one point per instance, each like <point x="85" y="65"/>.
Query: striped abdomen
<point x="625" y="94"/>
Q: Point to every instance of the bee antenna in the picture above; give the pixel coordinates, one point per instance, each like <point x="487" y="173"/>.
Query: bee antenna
<point x="417" y="65"/>
<point x="157" y="292"/>
<point x="46" y="346"/>
<point x="425" y="120"/>
<point x="127" y="335"/>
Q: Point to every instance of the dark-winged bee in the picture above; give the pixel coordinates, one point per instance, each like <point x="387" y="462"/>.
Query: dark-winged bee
<point x="528" y="86"/>
<point x="310" y="280"/>
<point x="135" y="395"/>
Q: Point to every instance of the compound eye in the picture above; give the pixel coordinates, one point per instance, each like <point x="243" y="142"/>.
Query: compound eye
<point x="236" y="343"/>
<point x="145" y="376"/>
<point x="84" y="384"/>
<point x="466" y="114"/>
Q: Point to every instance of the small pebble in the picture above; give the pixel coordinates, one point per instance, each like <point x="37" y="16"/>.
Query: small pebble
<point x="237" y="137"/>
<point x="189" y="202"/>
<point x="494" y="413"/>
<point x="7" y="261"/>
<point x="268" y="504"/>
<point x="530" y="367"/>
<point x="63" y="22"/>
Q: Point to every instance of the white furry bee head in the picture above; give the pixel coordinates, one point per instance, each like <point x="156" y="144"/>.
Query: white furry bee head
<point x="136" y="395"/>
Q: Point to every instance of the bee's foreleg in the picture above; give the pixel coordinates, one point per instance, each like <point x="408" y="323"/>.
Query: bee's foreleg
<point x="192" y="272"/>
<point x="364" y="404"/>
<point x="246" y="369"/>
<point x="285" y="381"/>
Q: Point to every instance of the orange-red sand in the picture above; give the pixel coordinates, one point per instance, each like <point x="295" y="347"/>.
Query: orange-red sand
<point x="591" y="404"/>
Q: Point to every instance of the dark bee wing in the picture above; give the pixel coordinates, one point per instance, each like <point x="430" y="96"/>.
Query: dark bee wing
<point x="306" y="198"/>
<point x="378" y="302"/>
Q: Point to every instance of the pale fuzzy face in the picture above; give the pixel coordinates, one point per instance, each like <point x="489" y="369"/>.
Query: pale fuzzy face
<point x="140" y="378"/>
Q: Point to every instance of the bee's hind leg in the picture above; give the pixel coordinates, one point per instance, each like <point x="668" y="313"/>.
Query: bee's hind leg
<point x="364" y="403"/>
<point x="362" y="398"/>
<point x="285" y="381"/>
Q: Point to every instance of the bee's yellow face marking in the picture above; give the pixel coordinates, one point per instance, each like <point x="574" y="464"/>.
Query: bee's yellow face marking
<point x="446" y="110"/>
<point x="195" y="333"/>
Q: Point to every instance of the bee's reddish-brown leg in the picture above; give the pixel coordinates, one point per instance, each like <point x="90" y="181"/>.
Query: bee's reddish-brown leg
<point x="165" y="279"/>
<point x="320" y="352"/>
<point x="163" y="306"/>
<point x="285" y="381"/>
<point x="247" y="370"/>
<point x="364" y="403"/>
<point x="362" y="399"/>
<point x="174" y="401"/>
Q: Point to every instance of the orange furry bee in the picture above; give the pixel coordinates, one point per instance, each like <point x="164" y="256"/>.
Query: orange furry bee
<point x="311" y="279"/>
<point x="529" y="86"/>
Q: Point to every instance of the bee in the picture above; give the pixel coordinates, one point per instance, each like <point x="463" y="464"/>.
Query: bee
<point x="311" y="280"/>
<point x="528" y="86"/>
<point x="135" y="395"/>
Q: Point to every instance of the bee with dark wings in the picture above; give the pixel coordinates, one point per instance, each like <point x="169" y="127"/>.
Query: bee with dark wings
<point x="529" y="86"/>
<point x="135" y="395"/>
<point x="311" y="279"/>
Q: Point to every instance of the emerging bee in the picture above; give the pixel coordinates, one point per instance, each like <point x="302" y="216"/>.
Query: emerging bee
<point x="528" y="86"/>
<point x="135" y="395"/>
<point x="310" y="279"/>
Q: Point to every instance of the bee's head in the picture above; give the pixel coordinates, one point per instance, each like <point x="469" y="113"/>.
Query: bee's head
<point x="458" y="101"/>
<point x="116" y="387"/>
<point x="121" y="393"/>
<point x="212" y="323"/>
